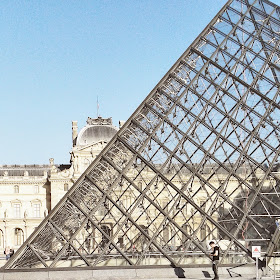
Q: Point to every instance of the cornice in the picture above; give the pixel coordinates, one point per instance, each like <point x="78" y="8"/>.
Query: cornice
<point x="64" y="180"/>
<point x="24" y="182"/>
<point x="20" y="221"/>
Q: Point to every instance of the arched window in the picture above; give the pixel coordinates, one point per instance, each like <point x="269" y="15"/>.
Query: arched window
<point x="66" y="187"/>
<point x="16" y="189"/>
<point x="36" y="189"/>
<point x="19" y="236"/>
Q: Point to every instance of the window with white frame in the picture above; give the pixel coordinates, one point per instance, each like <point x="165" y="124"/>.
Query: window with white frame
<point x="36" y="210"/>
<point x="19" y="236"/>
<point x="16" y="207"/>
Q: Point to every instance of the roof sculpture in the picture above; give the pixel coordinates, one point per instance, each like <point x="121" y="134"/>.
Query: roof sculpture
<point x="217" y="108"/>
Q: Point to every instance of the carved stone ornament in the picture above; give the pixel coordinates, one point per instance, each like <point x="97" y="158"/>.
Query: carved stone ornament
<point x="99" y="121"/>
<point x="65" y="173"/>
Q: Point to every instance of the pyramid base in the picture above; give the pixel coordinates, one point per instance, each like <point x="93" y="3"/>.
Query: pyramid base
<point x="162" y="273"/>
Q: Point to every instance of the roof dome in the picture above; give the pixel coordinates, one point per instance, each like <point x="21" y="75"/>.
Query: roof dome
<point x="96" y="130"/>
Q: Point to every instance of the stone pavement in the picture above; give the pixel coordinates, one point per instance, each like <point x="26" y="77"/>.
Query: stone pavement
<point x="144" y="273"/>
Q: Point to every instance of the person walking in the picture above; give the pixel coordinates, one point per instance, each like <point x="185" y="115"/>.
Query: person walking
<point x="215" y="254"/>
<point x="7" y="253"/>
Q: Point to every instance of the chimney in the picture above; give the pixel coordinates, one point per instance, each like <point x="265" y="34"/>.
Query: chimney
<point x="74" y="132"/>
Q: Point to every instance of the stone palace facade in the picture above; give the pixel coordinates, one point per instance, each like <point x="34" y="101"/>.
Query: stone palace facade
<point x="29" y="192"/>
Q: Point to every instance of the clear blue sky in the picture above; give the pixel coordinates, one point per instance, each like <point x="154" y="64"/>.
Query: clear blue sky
<point x="58" y="56"/>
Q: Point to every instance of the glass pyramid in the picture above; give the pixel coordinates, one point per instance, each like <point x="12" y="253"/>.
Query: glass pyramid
<point x="197" y="161"/>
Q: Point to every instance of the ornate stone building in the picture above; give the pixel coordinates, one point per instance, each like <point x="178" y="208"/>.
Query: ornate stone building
<point x="29" y="192"/>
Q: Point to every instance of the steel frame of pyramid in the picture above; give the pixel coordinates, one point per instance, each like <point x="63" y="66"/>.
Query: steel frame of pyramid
<point x="197" y="161"/>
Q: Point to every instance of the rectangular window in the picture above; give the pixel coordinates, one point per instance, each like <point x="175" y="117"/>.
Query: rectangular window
<point x="18" y="236"/>
<point x="16" y="210"/>
<point x="36" y="209"/>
